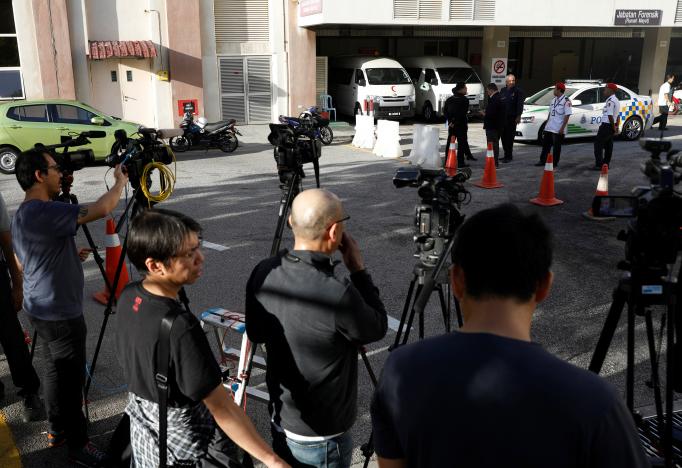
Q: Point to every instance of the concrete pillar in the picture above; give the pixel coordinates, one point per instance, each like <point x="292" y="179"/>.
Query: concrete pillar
<point x="209" y="62"/>
<point x="301" y="62"/>
<point x="78" y="29"/>
<point x="654" y="62"/>
<point x="495" y="45"/>
<point x="184" y="52"/>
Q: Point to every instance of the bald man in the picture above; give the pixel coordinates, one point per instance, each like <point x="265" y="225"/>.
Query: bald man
<point x="312" y="324"/>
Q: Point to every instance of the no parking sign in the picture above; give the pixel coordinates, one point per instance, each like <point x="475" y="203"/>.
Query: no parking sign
<point x="498" y="71"/>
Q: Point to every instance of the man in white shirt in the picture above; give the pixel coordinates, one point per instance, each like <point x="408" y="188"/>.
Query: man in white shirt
<point x="665" y="94"/>
<point x="560" y="110"/>
<point x="603" y="145"/>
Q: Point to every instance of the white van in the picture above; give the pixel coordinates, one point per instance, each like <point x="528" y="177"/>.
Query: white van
<point x="383" y="80"/>
<point x="434" y="78"/>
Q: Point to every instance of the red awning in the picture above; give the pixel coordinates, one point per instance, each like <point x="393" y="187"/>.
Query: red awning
<point x="100" y="50"/>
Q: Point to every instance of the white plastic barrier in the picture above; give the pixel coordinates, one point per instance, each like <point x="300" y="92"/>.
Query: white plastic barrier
<point x="416" y="140"/>
<point x="426" y="151"/>
<point x="364" y="132"/>
<point x="388" y="139"/>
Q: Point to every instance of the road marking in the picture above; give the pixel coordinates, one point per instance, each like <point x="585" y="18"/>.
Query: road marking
<point x="9" y="454"/>
<point x="393" y="324"/>
<point x="212" y="246"/>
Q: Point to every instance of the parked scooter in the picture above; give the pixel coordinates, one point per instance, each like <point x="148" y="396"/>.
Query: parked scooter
<point x="311" y="120"/>
<point x="676" y="107"/>
<point x="221" y="135"/>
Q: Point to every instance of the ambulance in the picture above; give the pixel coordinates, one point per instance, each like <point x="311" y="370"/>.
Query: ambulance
<point x="636" y="111"/>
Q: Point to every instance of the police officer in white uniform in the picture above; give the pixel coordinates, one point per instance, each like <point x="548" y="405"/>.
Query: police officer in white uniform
<point x="603" y="145"/>
<point x="665" y="98"/>
<point x="559" y="112"/>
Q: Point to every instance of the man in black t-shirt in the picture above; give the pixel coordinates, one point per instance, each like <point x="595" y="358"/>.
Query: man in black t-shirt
<point x="486" y="396"/>
<point x="165" y="247"/>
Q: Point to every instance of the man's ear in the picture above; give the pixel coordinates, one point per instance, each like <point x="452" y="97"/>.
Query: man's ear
<point x="154" y="267"/>
<point x="544" y="287"/>
<point x="335" y="232"/>
<point x="40" y="177"/>
<point x="457" y="281"/>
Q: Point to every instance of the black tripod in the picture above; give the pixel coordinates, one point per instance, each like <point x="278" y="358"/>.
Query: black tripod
<point x="639" y="290"/>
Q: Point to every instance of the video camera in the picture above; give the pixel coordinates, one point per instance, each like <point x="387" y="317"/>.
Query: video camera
<point x="137" y="153"/>
<point x="653" y="238"/>
<point x="437" y="217"/>
<point x="71" y="161"/>
<point x="291" y="151"/>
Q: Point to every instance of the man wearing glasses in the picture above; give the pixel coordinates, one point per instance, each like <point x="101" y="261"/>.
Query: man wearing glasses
<point x="312" y="324"/>
<point x="43" y="234"/>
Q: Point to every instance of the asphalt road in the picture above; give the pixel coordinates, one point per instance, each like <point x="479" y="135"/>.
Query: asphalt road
<point x="236" y="197"/>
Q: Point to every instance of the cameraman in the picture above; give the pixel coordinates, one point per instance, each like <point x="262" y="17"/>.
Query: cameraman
<point x="486" y="396"/>
<point x="312" y="324"/>
<point x="43" y="232"/>
<point x="165" y="247"/>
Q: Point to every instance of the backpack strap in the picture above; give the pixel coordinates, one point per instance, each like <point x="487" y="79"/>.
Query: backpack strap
<point x="161" y="379"/>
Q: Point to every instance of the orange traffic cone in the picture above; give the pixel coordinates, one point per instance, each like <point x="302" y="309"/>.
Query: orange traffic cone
<point x="602" y="191"/>
<point x="451" y="161"/>
<point x="489" y="179"/>
<point x="546" y="197"/>
<point x="113" y="254"/>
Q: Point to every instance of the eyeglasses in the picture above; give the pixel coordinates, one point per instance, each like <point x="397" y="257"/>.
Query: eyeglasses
<point x="345" y="218"/>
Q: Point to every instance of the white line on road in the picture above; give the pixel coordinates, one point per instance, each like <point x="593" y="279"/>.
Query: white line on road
<point x="393" y="324"/>
<point x="212" y="246"/>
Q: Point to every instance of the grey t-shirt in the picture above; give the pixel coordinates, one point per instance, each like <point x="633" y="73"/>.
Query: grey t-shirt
<point x="43" y="235"/>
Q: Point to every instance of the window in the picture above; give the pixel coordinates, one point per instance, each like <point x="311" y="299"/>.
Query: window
<point x="383" y="76"/>
<point x="63" y="113"/>
<point x="34" y="113"/>
<point x="457" y="75"/>
<point x="587" y="97"/>
<point x="430" y="75"/>
<point x="114" y="77"/>
<point x="414" y="73"/>
<point x="129" y="75"/>
<point x="11" y="85"/>
<point x="359" y="76"/>
<point x="622" y="95"/>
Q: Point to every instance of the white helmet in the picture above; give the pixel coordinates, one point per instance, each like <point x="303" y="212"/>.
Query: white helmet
<point x="201" y="121"/>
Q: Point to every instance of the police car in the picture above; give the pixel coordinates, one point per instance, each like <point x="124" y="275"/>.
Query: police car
<point x="636" y="112"/>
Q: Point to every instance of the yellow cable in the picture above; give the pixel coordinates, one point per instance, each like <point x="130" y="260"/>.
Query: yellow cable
<point x="166" y="179"/>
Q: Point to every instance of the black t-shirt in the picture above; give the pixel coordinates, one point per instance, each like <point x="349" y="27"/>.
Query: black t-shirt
<point x="480" y="400"/>
<point x="193" y="371"/>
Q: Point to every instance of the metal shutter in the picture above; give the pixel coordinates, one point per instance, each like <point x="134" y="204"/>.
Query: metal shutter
<point x="232" y="96"/>
<point x="484" y="10"/>
<point x="321" y="64"/>
<point x="461" y="10"/>
<point x="241" y="21"/>
<point x="430" y="9"/>
<point x="259" y="96"/>
<point x="405" y="9"/>
<point x="678" y="13"/>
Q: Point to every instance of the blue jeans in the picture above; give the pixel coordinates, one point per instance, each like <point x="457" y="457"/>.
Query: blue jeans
<point x="332" y="453"/>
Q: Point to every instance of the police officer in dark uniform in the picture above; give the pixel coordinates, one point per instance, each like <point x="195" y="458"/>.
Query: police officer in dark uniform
<point x="512" y="97"/>
<point x="455" y="110"/>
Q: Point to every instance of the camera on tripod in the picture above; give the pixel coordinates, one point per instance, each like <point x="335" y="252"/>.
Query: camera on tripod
<point x="136" y="154"/>
<point x="292" y="151"/>
<point x="71" y="161"/>
<point x="437" y="217"/>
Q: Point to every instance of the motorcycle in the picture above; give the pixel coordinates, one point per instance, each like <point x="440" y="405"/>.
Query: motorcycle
<point x="221" y="135"/>
<point x="676" y="106"/>
<point x="311" y="118"/>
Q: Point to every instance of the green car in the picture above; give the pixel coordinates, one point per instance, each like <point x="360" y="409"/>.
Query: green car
<point x="25" y="123"/>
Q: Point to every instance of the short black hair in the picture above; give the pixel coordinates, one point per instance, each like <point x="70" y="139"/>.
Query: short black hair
<point x="459" y="85"/>
<point x="158" y="234"/>
<point x="28" y="163"/>
<point x="509" y="269"/>
<point x="492" y="87"/>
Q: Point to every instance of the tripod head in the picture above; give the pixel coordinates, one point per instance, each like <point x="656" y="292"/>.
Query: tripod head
<point x="294" y="147"/>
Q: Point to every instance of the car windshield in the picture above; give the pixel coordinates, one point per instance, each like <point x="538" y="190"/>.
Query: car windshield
<point x="545" y="96"/>
<point x="457" y="75"/>
<point x="385" y="76"/>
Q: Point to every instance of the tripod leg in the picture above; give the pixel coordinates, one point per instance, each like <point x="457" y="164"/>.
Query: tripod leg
<point x="655" y="380"/>
<point x="445" y="309"/>
<point x="406" y="334"/>
<point x="284" y="205"/>
<point x="458" y="311"/>
<point x="95" y="254"/>
<point x="630" y="371"/>
<point x="612" y="319"/>
<point x="33" y="344"/>
<point x="368" y="448"/>
<point x="670" y="377"/>
<point x="406" y="308"/>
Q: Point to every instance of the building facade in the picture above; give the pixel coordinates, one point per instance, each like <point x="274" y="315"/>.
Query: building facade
<point x="255" y="59"/>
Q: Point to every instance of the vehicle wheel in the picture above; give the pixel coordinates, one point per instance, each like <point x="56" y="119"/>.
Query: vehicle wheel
<point x="8" y="159"/>
<point x="326" y="135"/>
<point x="540" y="132"/>
<point x="228" y="144"/>
<point x="179" y="143"/>
<point x="428" y="112"/>
<point x="632" y="128"/>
